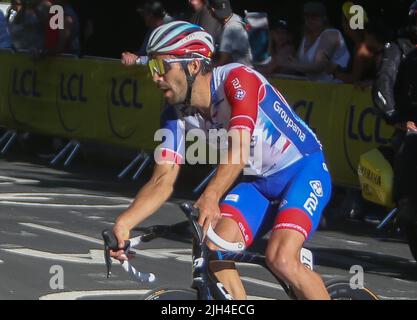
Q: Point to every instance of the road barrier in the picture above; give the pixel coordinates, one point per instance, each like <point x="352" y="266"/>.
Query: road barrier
<point x="101" y="100"/>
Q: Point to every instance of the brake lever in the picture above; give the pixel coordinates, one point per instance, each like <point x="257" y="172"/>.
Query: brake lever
<point x="110" y="243"/>
<point x="192" y="214"/>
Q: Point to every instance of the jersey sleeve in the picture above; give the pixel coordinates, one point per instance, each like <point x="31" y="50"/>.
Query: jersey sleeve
<point x="172" y="137"/>
<point x="242" y="90"/>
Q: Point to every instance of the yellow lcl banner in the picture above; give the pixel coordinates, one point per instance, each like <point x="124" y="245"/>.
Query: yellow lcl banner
<point x="101" y="100"/>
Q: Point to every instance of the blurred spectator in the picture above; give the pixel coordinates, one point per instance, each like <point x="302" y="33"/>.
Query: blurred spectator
<point x="5" y="41"/>
<point x="257" y="27"/>
<point x="364" y="64"/>
<point x="319" y="46"/>
<point x="25" y="29"/>
<point x="154" y="15"/>
<point x="281" y="46"/>
<point x="205" y="19"/>
<point x="234" y="43"/>
<point x="15" y="7"/>
<point x="58" y="41"/>
<point x="377" y="34"/>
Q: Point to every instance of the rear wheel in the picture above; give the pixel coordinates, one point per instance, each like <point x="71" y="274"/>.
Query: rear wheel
<point x="171" y="294"/>
<point x="340" y="289"/>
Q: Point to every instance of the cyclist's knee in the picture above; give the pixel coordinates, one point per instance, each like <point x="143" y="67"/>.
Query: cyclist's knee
<point x="283" y="257"/>
<point x="283" y="262"/>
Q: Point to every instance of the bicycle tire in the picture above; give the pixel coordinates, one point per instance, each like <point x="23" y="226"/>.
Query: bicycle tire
<point x="340" y="289"/>
<point x="171" y="294"/>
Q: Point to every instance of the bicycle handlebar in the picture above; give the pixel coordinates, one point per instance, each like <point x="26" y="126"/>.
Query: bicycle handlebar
<point x="110" y="243"/>
<point x="192" y="213"/>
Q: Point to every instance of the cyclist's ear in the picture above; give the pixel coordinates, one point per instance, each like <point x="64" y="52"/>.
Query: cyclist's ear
<point x="194" y="67"/>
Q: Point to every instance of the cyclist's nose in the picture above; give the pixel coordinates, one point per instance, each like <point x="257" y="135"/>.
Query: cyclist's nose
<point x="157" y="78"/>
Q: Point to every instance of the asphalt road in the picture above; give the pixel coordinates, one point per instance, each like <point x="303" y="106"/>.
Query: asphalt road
<point x="51" y="219"/>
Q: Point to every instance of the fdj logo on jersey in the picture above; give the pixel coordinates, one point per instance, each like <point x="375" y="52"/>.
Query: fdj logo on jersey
<point x="125" y="93"/>
<point x="72" y="88"/>
<point x="25" y="83"/>
<point x="312" y="202"/>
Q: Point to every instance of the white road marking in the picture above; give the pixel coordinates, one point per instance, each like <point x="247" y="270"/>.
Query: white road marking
<point x="94" y="257"/>
<point x="1" y="261"/>
<point x="73" y="295"/>
<point x="404" y="281"/>
<point x="258" y="298"/>
<point x="26" y="199"/>
<point x="62" y="232"/>
<point x="263" y="283"/>
<point x="12" y="180"/>
<point x="394" y="298"/>
<point x="20" y="234"/>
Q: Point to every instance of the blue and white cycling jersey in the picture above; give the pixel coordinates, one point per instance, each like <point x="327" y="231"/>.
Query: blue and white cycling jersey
<point x="243" y="98"/>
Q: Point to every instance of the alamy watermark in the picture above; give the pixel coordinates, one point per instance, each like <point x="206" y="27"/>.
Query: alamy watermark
<point x="56" y="282"/>
<point x="357" y="281"/>
<point x="57" y="20"/>
<point x="357" y="19"/>
<point x="197" y="146"/>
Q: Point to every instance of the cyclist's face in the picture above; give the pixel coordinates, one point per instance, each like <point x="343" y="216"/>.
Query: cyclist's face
<point x="172" y="83"/>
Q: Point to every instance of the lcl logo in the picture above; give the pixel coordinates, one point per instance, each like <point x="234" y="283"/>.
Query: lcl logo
<point x="25" y="83"/>
<point x="125" y="93"/>
<point x="71" y="88"/>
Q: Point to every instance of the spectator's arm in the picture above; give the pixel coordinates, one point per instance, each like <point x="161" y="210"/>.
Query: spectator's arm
<point x="383" y="88"/>
<point x="278" y="61"/>
<point x="358" y="69"/>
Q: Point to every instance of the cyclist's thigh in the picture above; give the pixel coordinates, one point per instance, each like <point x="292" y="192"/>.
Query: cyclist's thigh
<point x="247" y="207"/>
<point x="306" y="197"/>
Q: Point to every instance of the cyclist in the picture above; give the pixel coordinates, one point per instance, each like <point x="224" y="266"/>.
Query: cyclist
<point x="290" y="167"/>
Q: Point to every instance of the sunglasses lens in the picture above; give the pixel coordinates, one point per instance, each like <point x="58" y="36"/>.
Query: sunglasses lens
<point x="156" y="66"/>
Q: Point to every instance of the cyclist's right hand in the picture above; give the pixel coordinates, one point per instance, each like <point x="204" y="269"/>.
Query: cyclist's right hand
<point x="122" y="234"/>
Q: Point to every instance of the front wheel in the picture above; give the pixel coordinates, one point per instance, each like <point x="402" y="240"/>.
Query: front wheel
<point x="172" y="294"/>
<point x="341" y="290"/>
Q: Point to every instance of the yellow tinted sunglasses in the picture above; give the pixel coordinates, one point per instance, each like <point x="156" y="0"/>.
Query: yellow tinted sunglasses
<point x="162" y="66"/>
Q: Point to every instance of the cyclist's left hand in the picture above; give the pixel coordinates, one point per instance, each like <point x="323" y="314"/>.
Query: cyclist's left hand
<point x="209" y="211"/>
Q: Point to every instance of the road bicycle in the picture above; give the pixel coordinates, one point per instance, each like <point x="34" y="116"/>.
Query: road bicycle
<point x="205" y="286"/>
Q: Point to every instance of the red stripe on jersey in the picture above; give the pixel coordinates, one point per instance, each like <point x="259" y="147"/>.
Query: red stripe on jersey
<point x="242" y="92"/>
<point x="294" y="219"/>
<point x="228" y="211"/>
<point x="286" y="145"/>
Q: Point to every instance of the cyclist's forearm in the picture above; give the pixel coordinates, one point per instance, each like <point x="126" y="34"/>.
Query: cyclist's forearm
<point x="149" y="199"/>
